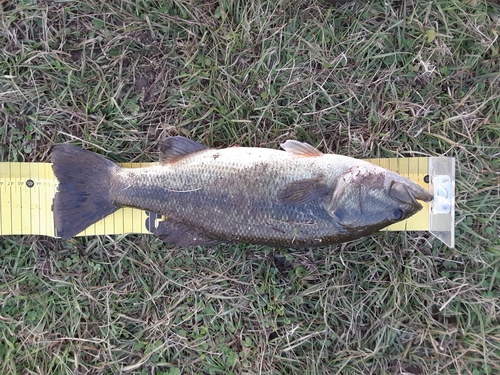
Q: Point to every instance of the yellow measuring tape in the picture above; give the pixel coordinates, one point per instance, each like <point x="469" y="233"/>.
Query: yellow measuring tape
<point x="27" y="191"/>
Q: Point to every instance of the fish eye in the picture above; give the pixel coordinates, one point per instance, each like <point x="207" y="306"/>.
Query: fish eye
<point x="398" y="214"/>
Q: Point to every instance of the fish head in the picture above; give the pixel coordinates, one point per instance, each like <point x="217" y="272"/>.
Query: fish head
<point x="369" y="198"/>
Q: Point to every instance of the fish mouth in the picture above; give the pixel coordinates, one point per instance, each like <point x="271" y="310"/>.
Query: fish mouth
<point x="409" y="193"/>
<point x="422" y="195"/>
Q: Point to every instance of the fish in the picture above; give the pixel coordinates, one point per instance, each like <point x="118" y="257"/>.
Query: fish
<point x="296" y="197"/>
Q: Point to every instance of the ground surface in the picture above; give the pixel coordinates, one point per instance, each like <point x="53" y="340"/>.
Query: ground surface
<point x="365" y="79"/>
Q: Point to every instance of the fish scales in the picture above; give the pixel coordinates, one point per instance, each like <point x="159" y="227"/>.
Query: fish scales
<point x="231" y="195"/>
<point x="298" y="197"/>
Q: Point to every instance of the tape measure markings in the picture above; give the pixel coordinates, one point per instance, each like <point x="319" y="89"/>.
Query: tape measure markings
<point x="26" y="209"/>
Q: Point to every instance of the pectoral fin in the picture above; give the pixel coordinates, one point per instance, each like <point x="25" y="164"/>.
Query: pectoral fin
<point x="303" y="191"/>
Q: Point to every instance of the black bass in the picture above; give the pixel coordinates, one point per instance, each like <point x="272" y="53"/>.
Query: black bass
<point x="294" y="198"/>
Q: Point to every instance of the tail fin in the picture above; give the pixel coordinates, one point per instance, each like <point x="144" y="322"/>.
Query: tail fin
<point x="82" y="198"/>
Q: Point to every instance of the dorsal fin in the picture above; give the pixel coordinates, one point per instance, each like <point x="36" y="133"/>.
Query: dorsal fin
<point x="300" y="148"/>
<point x="173" y="149"/>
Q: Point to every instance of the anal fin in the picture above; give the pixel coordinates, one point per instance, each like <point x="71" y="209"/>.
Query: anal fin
<point x="180" y="234"/>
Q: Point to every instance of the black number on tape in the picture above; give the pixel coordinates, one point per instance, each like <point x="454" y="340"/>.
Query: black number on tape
<point x="151" y="221"/>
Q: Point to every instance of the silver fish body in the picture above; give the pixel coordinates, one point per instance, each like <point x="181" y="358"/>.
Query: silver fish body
<point x="295" y="198"/>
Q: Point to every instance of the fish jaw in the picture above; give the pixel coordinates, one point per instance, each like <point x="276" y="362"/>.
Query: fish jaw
<point x="405" y="190"/>
<point x="368" y="198"/>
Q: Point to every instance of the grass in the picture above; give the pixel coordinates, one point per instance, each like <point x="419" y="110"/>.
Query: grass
<point x="365" y="79"/>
